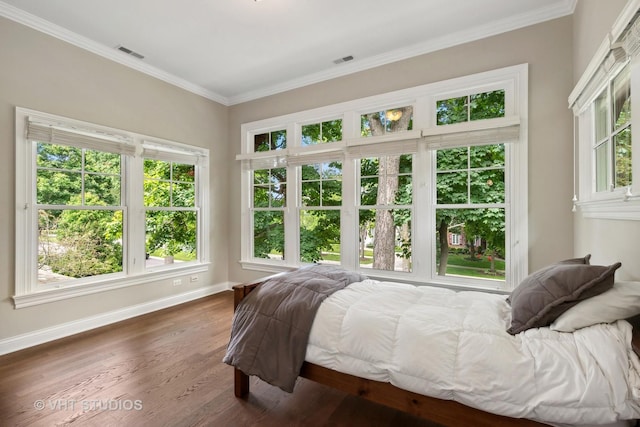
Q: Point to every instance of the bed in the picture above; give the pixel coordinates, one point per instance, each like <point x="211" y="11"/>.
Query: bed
<point x="568" y="401"/>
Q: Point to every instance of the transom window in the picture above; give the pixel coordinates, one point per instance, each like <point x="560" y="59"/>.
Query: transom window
<point x="321" y="133"/>
<point x="418" y="192"/>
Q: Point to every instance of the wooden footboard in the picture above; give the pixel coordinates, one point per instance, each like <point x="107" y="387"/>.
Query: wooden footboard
<point x="445" y="412"/>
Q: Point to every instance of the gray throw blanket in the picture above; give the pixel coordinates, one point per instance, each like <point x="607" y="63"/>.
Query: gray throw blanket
<point x="271" y="325"/>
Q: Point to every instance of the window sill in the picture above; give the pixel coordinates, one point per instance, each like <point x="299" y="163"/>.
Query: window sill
<point x="399" y="277"/>
<point x="45" y="296"/>
<point x="617" y="209"/>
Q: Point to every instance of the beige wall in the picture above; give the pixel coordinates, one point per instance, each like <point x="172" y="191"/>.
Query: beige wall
<point x="42" y="73"/>
<point x="607" y="241"/>
<point x="546" y="47"/>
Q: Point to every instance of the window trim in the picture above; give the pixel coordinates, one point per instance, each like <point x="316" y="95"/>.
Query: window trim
<point x="513" y="79"/>
<point x="27" y="290"/>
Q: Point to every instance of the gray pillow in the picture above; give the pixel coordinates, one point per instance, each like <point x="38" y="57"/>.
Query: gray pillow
<point x="547" y="293"/>
<point x="584" y="260"/>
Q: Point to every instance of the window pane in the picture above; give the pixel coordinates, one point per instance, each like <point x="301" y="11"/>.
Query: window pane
<point x="98" y="161"/>
<point x="385" y="239"/>
<point x="171" y="236"/>
<point x="622" y="99"/>
<point x="105" y="189"/>
<point x="276" y="140"/>
<point x="471" y="175"/>
<point x="470" y="243"/>
<point x="320" y="133"/>
<point x="484" y="156"/>
<point x="157" y="169"/>
<point x="269" y="188"/>
<point x="261" y="176"/>
<point x="311" y="193"/>
<point x="261" y="142"/>
<point x="59" y="156"/>
<point x="452" y="187"/>
<point x="78" y="243"/>
<point x="279" y="140"/>
<point x="322" y="184"/>
<point x="452" y="159"/>
<point x="487" y="186"/>
<point x="387" y="121"/>
<point x="622" y="143"/>
<point x="332" y="130"/>
<point x="268" y="234"/>
<point x="58" y="188"/>
<point x="602" y="167"/>
<point x="157" y="193"/>
<point x="311" y="134"/>
<point x="368" y="190"/>
<point x="382" y="180"/>
<point x="452" y="110"/>
<point x="320" y="235"/>
<point x="184" y="172"/>
<point x="184" y="195"/>
<point x="487" y="105"/>
<point x="601" y="116"/>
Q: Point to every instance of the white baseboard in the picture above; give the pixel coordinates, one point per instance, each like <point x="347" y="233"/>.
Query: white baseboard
<point x="19" y="342"/>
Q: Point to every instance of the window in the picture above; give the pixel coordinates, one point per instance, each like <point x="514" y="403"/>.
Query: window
<point x="385" y="212"/>
<point x="602" y="103"/>
<point x="471" y="194"/>
<point x="612" y="131"/>
<point x="424" y="185"/>
<point x="320" y="202"/>
<point x="82" y="187"/>
<point x="171" y="215"/>
<point x="269" y="201"/>
<point x="321" y="133"/>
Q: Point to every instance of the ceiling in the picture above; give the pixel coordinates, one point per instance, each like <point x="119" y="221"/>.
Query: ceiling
<point x="233" y="51"/>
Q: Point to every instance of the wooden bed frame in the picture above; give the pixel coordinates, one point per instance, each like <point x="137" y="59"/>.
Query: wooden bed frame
<point x="448" y="413"/>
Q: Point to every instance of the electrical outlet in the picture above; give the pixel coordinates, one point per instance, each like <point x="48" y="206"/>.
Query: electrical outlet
<point x="177" y="282"/>
<point x="194" y="278"/>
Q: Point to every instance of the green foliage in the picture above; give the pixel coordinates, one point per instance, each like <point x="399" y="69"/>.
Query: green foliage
<point x="268" y="233"/>
<point x="320" y="133"/>
<point x="170" y="185"/>
<point x="87" y="242"/>
<point x="487" y="105"/>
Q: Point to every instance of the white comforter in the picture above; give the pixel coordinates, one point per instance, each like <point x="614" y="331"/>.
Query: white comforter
<point x="454" y="345"/>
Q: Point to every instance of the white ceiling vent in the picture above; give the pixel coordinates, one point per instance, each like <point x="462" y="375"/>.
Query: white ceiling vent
<point x="130" y="52"/>
<point x="343" y="59"/>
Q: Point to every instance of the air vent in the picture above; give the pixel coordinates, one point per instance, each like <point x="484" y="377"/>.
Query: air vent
<point x="130" y="52"/>
<point x="344" y="59"/>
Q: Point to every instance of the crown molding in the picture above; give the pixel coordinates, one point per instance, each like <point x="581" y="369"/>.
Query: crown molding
<point x="46" y="27"/>
<point x="560" y="9"/>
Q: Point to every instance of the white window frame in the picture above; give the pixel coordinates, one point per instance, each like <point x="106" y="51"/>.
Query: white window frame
<point x="27" y="290"/>
<point x="620" y="47"/>
<point x="422" y="142"/>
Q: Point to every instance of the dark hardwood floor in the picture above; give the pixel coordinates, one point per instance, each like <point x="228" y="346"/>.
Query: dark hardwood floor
<point x="164" y="369"/>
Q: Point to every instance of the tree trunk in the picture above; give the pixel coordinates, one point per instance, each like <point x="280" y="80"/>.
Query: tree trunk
<point x="443" y="237"/>
<point x="405" y="236"/>
<point x="363" y="240"/>
<point x="384" y="256"/>
<point x="384" y="247"/>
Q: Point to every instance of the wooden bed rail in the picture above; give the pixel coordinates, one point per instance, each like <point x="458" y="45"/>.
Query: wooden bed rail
<point x="447" y="413"/>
